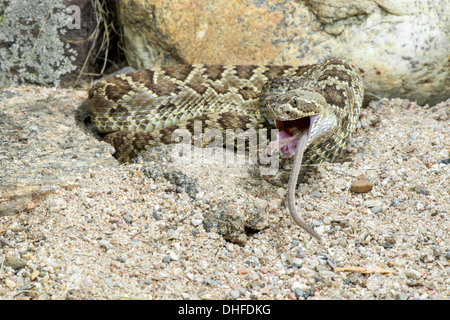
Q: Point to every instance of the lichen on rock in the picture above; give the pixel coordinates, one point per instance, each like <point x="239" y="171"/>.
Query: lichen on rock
<point x="30" y="46"/>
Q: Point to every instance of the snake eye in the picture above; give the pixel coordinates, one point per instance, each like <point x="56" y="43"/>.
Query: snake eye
<point x="294" y="102"/>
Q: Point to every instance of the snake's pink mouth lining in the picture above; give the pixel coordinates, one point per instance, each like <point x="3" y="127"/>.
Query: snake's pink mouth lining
<point x="289" y="134"/>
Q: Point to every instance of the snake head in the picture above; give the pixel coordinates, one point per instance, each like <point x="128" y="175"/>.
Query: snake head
<point x="297" y="110"/>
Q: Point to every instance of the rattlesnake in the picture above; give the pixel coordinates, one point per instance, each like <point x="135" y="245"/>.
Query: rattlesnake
<point x="315" y="107"/>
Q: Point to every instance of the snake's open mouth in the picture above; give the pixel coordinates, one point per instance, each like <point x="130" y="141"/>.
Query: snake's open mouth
<point x="294" y="137"/>
<point x="289" y="133"/>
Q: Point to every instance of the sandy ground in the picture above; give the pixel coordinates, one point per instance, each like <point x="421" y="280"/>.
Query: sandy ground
<point x="109" y="231"/>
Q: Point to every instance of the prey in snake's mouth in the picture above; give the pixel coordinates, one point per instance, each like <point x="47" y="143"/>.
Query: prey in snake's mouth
<point x="293" y="137"/>
<point x="296" y="114"/>
<point x="289" y="134"/>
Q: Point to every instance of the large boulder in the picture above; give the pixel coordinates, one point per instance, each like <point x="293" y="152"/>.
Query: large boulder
<point x="401" y="48"/>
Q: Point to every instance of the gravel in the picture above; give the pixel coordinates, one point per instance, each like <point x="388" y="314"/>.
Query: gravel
<point x="105" y="231"/>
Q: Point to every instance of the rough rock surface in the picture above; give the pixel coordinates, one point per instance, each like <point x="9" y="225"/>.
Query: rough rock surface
<point x="401" y="47"/>
<point x="46" y="42"/>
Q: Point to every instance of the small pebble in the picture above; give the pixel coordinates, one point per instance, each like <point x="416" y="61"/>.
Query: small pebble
<point x="281" y="192"/>
<point x="447" y="255"/>
<point x="213" y="283"/>
<point x="88" y="282"/>
<point x="148" y="280"/>
<point x="105" y="244"/>
<point x="408" y="149"/>
<point x="292" y="296"/>
<point x="296" y="261"/>
<point x="340" y="183"/>
<point x="15" y="262"/>
<point x="427" y="258"/>
<point x="173" y="234"/>
<point x="4" y="243"/>
<point x="35" y="274"/>
<point x="10" y="284"/>
<point x="31" y="206"/>
<point x="315" y="194"/>
<point x="173" y="256"/>
<point x="300" y="254"/>
<point x="373" y="203"/>
<point x="298" y="286"/>
<point x="185" y="296"/>
<point x="386" y="245"/>
<point x="420" y="206"/>
<point x="121" y="259"/>
<point x="14" y="226"/>
<point x="421" y="190"/>
<point x="390" y="239"/>
<point x="361" y="186"/>
<point x="413" y="274"/>
<point x="234" y="294"/>
<point x="299" y="293"/>
<point x="156" y="215"/>
<point x="414" y="135"/>
<point x="127" y="218"/>
<point x="444" y="161"/>
<point x="242" y="271"/>
<point x="109" y="283"/>
<point x="406" y="104"/>
<point x="376" y="209"/>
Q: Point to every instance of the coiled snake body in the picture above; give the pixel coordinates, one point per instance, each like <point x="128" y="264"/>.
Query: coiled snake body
<point x="315" y="107"/>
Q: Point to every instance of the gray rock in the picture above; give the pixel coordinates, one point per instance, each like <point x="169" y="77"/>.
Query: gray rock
<point x="376" y="209"/>
<point x="127" y="218"/>
<point x="213" y="283"/>
<point x="156" y="215"/>
<point x="315" y="194"/>
<point x="122" y="259"/>
<point x="173" y="256"/>
<point x="234" y="294"/>
<point x="413" y="274"/>
<point x="109" y="283"/>
<point x="105" y="244"/>
<point x="402" y="296"/>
